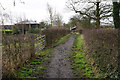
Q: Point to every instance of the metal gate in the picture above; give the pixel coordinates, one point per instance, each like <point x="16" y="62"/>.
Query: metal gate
<point x="40" y="43"/>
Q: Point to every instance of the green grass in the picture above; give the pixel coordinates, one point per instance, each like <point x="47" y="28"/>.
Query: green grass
<point x="63" y="39"/>
<point x="82" y="69"/>
<point x="80" y="65"/>
<point x="78" y="44"/>
<point x="34" y="63"/>
<point x="46" y="51"/>
<point x="41" y="68"/>
<point x="37" y="67"/>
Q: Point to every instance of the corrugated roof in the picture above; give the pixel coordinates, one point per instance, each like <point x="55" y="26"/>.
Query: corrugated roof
<point x="27" y="22"/>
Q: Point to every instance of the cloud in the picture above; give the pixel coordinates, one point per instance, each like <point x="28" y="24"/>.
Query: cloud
<point x="36" y="9"/>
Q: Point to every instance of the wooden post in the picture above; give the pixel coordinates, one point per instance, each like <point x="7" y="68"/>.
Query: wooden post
<point x="23" y="29"/>
<point x="4" y="29"/>
<point x="29" y="26"/>
<point x="12" y="29"/>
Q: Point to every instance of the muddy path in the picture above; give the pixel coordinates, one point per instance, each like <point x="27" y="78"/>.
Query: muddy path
<point x="60" y="66"/>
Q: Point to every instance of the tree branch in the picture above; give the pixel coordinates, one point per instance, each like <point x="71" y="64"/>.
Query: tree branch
<point x="2" y="6"/>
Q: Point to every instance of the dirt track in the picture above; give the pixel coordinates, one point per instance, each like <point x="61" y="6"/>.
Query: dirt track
<point x="59" y="66"/>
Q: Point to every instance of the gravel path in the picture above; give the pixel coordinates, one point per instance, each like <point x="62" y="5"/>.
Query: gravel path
<point x="59" y="66"/>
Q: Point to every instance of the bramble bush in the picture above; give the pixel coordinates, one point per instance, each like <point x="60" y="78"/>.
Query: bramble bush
<point x="54" y="34"/>
<point x="102" y="45"/>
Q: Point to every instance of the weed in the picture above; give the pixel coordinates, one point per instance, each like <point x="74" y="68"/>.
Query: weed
<point x="31" y="71"/>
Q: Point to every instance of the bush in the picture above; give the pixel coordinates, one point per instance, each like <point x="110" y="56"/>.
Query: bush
<point x="16" y="30"/>
<point x="102" y="46"/>
<point x="7" y="31"/>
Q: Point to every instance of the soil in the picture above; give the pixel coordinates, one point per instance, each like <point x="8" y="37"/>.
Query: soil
<point x="60" y="66"/>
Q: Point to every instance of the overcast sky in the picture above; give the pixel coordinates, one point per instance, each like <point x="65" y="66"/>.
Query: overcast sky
<point x="37" y="9"/>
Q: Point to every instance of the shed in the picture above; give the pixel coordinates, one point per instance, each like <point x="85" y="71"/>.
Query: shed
<point x="24" y="26"/>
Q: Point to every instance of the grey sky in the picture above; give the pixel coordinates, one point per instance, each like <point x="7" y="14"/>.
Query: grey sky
<point x="36" y="9"/>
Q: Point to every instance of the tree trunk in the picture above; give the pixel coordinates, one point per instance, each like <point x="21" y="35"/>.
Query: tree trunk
<point x="89" y="22"/>
<point x="97" y="15"/>
<point x="116" y="16"/>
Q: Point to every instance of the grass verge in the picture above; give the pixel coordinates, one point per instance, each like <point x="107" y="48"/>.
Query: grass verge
<point x="37" y="67"/>
<point x="63" y="39"/>
<point x="80" y="64"/>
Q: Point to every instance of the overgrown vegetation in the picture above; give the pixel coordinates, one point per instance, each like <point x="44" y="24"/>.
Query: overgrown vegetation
<point x="80" y="64"/>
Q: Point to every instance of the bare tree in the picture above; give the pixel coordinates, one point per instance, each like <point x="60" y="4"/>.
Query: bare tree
<point x="50" y="10"/>
<point x="7" y="16"/>
<point x="14" y="2"/>
<point x="1" y="14"/>
<point x="93" y="10"/>
<point x="58" y="19"/>
<point x="2" y="6"/>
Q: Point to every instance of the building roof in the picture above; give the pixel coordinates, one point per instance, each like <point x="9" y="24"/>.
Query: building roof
<point x="27" y="22"/>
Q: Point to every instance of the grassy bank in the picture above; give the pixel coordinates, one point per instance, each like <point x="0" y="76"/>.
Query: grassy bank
<point x="80" y="64"/>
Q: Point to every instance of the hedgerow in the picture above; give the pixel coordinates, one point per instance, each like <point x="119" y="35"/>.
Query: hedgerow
<point x="16" y="51"/>
<point x="102" y="45"/>
<point x="54" y="34"/>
